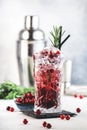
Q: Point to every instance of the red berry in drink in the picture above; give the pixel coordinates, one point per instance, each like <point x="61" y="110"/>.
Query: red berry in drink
<point x="78" y="110"/>
<point x="44" y="124"/>
<point x="38" y="112"/>
<point x="49" y="125"/>
<point x="62" y="116"/>
<point x="58" y="52"/>
<point x="25" y="121"/>
<point x="67" y="117"/>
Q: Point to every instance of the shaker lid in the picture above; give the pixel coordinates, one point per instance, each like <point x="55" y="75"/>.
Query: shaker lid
<point x="31" y="22"/>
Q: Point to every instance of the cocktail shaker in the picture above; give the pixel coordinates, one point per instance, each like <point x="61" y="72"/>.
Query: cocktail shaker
<point x="31" y="40"/>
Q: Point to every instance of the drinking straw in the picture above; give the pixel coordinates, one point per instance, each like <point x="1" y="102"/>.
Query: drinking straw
<point x="63" y="41"/>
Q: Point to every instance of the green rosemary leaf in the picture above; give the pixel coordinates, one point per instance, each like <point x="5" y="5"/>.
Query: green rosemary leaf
<point x="57" y="34"/>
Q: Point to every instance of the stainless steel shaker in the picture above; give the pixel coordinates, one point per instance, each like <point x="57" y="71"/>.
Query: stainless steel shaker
<point x="31" y="40"/>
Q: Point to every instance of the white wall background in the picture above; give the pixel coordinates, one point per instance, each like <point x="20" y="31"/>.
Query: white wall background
<point x="71" y="14"/>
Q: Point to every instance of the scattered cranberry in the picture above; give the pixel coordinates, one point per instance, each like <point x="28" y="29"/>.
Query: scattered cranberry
<point x="81" y="96"/>
<point x="25" y="121"/>
<point x="75" y="95"/>
<point x="62" y="116"/>
<point x="67" y="117"/>
<point x="44" y="124"/>
<point x="11" y="109"/>
<point x="78" y="110"/>
<point x="8" y="108"/>
<point x="49" y="125"/>
<point x="38" y="112"/>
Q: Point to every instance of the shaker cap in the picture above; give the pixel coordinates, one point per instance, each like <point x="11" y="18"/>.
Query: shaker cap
<point x="31" y="22"/>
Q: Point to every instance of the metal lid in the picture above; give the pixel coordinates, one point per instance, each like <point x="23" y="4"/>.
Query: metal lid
<point x="31" y="22"/>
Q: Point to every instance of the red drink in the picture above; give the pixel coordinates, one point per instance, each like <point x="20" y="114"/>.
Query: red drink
<point x="47" y="76"/>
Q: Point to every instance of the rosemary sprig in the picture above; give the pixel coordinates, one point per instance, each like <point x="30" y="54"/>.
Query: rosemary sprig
<point x="57" y="34"/>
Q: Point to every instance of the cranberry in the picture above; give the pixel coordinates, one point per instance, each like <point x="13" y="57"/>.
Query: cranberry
<point x="26" y="100"/>
<point x="75" y="95"/>
<point x="62" y="116"/>
<point x="38" y="112"/>
<point x="33" y="100"/>
<point x="8" y="108"/>
<point x="67" y="117"/>
<point x="44" y="124"/>
<point x="51" y="70"/>
<point x="25" y="121"/>
<point x="19" y="99"/>
<point x="58" y="52"/>
<point x="81" y="96"/>
<point x="78" y="110"/>
<point x="51" y="54"/>
<point x="45" y="53"/>
<point x="49" y="125"/>
<point x="11" y="109"/>
<point x="30" y="95"/>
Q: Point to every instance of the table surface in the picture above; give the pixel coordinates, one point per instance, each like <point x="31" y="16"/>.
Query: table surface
<point x="14" y="120"/>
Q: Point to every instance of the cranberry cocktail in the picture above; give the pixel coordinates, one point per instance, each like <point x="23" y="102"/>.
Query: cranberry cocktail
<point x="47" y="76"/>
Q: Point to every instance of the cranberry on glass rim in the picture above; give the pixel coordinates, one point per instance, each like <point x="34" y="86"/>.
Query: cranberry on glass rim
<point x="47" y="76"/>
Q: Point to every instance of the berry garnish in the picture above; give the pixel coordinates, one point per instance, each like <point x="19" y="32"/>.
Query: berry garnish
<point x="81" y="96"/>
<point x="67" y="117"/>
<point x="38" y="112"/>
<point x="25" y="121"/>
<point x="49" y="125"/>
<point x="78" y="110"/>
<point x="62" y="116"/>
<point x="11" y="109"/>
<point x="44" y="124"/>
<point x="58" y="52"/>
<point x="8" y="108"/>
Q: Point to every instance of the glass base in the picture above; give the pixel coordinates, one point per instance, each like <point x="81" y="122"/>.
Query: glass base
<point x="51" y="110"/>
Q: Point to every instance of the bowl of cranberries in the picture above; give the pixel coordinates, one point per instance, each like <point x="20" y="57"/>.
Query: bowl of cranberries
<point x="26" y="102"/>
